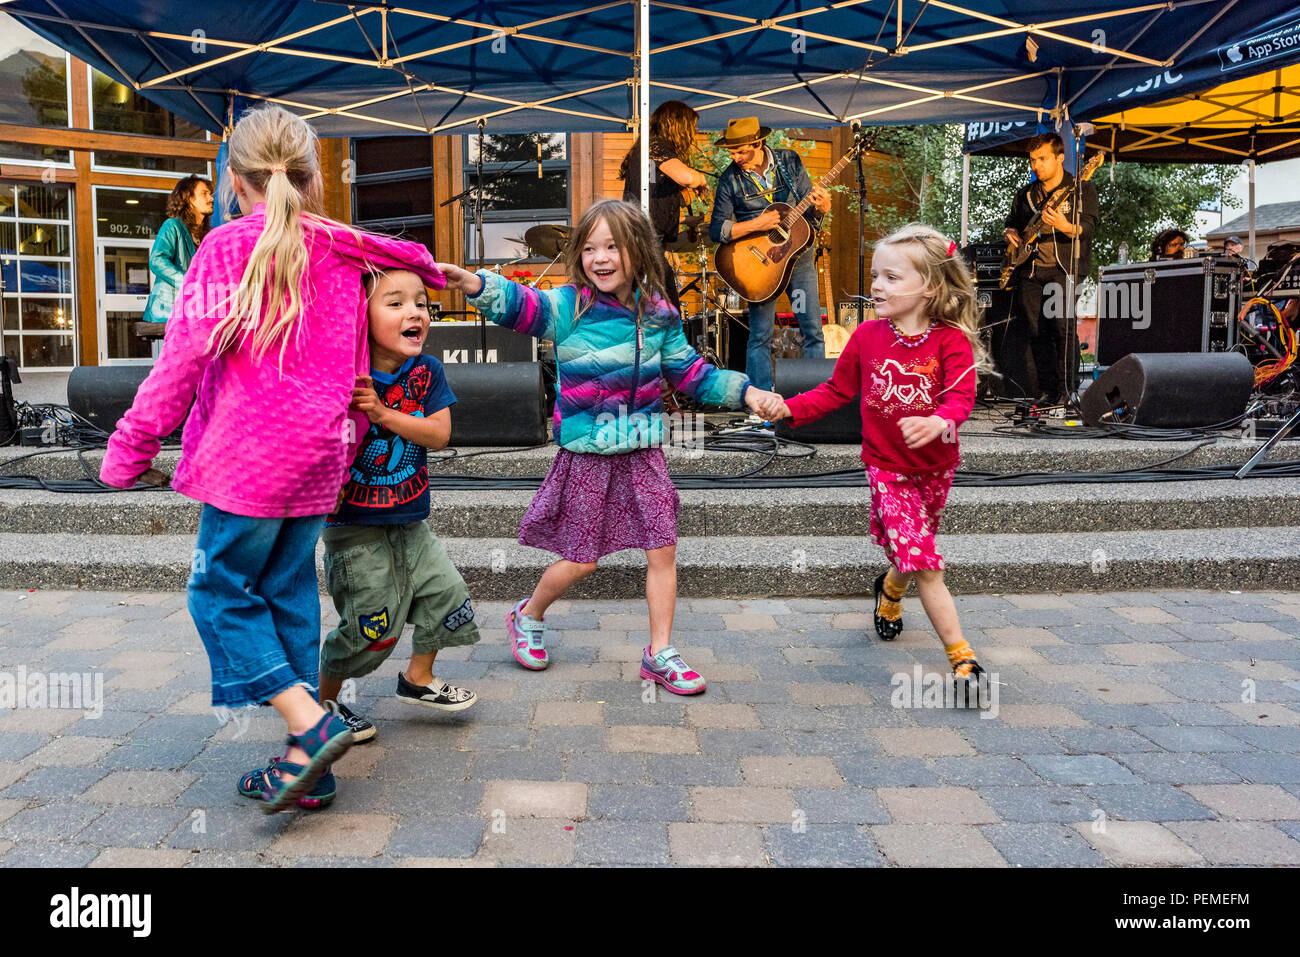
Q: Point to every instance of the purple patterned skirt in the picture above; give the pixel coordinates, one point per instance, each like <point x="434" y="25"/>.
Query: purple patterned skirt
<point x="591" y="505"/>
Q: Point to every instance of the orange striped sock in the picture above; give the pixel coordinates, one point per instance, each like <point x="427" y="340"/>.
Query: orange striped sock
<point x="959" y="652"/>
<point x="891" y="607"/>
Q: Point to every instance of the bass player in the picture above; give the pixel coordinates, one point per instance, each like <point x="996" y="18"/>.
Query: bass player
<point x="757" y="177"/>
<point x="1066" y="238"/>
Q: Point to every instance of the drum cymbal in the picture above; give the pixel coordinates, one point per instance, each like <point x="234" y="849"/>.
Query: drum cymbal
<point x="547" y="240"/>
<point x="688" y="241"/>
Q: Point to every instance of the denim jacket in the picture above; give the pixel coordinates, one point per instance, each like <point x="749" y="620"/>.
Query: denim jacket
<point x="737" y="198"/>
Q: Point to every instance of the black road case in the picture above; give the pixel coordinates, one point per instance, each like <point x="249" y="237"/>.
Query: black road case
<point x="1178" y="305"/>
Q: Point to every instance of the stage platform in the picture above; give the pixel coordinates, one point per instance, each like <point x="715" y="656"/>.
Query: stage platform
<point x="806" y="541"/>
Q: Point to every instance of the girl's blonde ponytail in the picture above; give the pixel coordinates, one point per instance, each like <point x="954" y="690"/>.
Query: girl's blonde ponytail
<point x="275" y="153"/>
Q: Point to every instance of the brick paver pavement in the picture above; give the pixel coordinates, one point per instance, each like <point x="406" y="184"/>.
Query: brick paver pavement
<point x="1127" y="728"/>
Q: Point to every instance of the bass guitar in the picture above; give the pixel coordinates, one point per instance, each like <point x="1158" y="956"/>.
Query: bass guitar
<point x="758" y="266"/>
<point x="1017" y="256"/>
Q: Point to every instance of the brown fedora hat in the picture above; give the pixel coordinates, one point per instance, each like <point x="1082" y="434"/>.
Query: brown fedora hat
<point x="742" y="131"/>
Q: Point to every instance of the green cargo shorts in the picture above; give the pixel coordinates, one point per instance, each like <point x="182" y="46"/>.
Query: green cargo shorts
<point x="381" y="577"/>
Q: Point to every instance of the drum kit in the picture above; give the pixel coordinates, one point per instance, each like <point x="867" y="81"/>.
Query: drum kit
<point x="708" y="329"/>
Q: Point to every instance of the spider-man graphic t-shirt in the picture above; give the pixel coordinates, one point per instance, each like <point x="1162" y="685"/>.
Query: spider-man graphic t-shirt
<point x="389" y="483"/>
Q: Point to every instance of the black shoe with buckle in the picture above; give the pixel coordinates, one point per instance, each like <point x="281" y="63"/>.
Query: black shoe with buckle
<point x="887" y="628"/>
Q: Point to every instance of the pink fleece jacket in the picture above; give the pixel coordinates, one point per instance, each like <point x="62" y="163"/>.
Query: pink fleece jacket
<point x="261" y="441"/>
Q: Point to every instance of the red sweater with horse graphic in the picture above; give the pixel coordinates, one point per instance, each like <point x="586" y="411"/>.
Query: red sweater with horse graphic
<point x="893" y="381"/>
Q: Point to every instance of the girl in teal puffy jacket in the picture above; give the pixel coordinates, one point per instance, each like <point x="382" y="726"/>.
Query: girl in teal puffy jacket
<point x="615" y="335"/>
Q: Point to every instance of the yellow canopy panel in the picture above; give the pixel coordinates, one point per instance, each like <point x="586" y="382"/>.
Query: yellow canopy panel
<point x="1267" y="98"/>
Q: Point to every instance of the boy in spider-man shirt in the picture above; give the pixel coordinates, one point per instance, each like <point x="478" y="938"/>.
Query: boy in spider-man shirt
<point x="384" y="566"/>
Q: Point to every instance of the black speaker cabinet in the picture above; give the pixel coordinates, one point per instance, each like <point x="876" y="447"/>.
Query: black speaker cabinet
<point x="844" y="425"/>
<point x="1170" y="390"/>
<point x="497" y="403"/>
<point x="102" y="394"/>
<point x="1181" y="305"/>
<point x="459" y="342"/>
<point x="1008" y="350"/>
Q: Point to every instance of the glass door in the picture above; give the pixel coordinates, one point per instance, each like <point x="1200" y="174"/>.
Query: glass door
<point x="123" y="278"/>
<point x="126" y="222"/>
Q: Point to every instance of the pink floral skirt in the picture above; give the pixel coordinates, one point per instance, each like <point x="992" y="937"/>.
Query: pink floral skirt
<point x="905" y="514"/>
<point x="592" y="505"/>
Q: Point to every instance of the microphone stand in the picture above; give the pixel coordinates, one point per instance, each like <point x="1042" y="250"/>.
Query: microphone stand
<point x="1068" y="373"/>
<point x="862" y="236"/>
<point x="478" y="230"/>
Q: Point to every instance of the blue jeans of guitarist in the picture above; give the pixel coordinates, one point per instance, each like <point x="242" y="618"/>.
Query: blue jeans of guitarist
<point x="740" y="197"/>
<point x="802" y="291"/>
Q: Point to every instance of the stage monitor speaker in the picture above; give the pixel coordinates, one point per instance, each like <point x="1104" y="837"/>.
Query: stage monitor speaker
<point x="497" y="403"/>
<point x="1170" y="390"/>
<point x="102" y="394"/>
<point x="844" y="425"/>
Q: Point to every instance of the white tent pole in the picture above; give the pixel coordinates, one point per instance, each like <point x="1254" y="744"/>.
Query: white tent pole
<point x="965" y="195"/>
<point x="643" y="98"/>
<point x="1250" y="176"/>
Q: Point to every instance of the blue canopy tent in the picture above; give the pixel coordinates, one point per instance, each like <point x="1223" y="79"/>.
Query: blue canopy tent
<point x="430" y="67"/>
<point x="424" y="66"/>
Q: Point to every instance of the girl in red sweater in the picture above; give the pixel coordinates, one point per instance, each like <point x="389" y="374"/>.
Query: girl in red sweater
<point x="913" y="371"/>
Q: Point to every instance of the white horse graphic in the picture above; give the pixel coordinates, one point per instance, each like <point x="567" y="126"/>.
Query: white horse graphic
<point x="908" y="387"/>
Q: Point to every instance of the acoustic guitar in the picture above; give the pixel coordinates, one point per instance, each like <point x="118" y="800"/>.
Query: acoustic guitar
<point x="1017" y="256"/>
<point x="758" y="266"/>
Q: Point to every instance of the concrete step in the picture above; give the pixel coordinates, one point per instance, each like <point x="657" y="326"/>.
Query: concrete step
<point x="981" y="451"/>
<point x="1132" y="506"/>
<point x="499" y="569"/>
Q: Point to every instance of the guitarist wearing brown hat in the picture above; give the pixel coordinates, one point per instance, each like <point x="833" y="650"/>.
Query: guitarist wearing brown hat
<point x="1067" y="212"/>
<point x="758" y="177"/>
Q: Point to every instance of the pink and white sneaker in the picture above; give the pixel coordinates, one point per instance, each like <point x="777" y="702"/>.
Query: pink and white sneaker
<point x="526" y="636"/>
<point x="668" y="669"/>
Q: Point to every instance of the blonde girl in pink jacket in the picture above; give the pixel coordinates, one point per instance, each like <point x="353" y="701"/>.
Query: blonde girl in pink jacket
<point x="266" y="338"/>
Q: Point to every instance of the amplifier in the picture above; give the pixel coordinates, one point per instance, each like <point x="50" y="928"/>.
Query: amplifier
<point x="1281" y="263"/>
<point x="985" y="260"/>
<point x="460" y="341"/>
<point x="1179" y="305"/>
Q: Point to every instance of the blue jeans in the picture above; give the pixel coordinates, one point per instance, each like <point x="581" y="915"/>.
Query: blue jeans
<point x="254" y="598"/>
<point x="758" y="358"/>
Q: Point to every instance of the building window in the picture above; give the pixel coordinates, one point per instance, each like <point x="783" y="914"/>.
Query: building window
<point x="33" y="90"/>
<point x="392" y="186"/>
<point x="39" y="313"/>
<point x="517" y="198"/>
<point x="116" y="108"/>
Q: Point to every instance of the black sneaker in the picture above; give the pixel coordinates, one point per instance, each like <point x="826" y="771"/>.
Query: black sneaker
<point x="362" y="730"/>
<point x="438" y="695"/>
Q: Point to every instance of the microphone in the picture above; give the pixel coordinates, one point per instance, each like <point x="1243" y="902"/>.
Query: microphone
<point x="539" y="155"/>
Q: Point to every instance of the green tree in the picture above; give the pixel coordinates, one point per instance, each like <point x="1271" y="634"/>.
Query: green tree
<point x="922" y="178"/>
<point x="1145" y="199"/>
